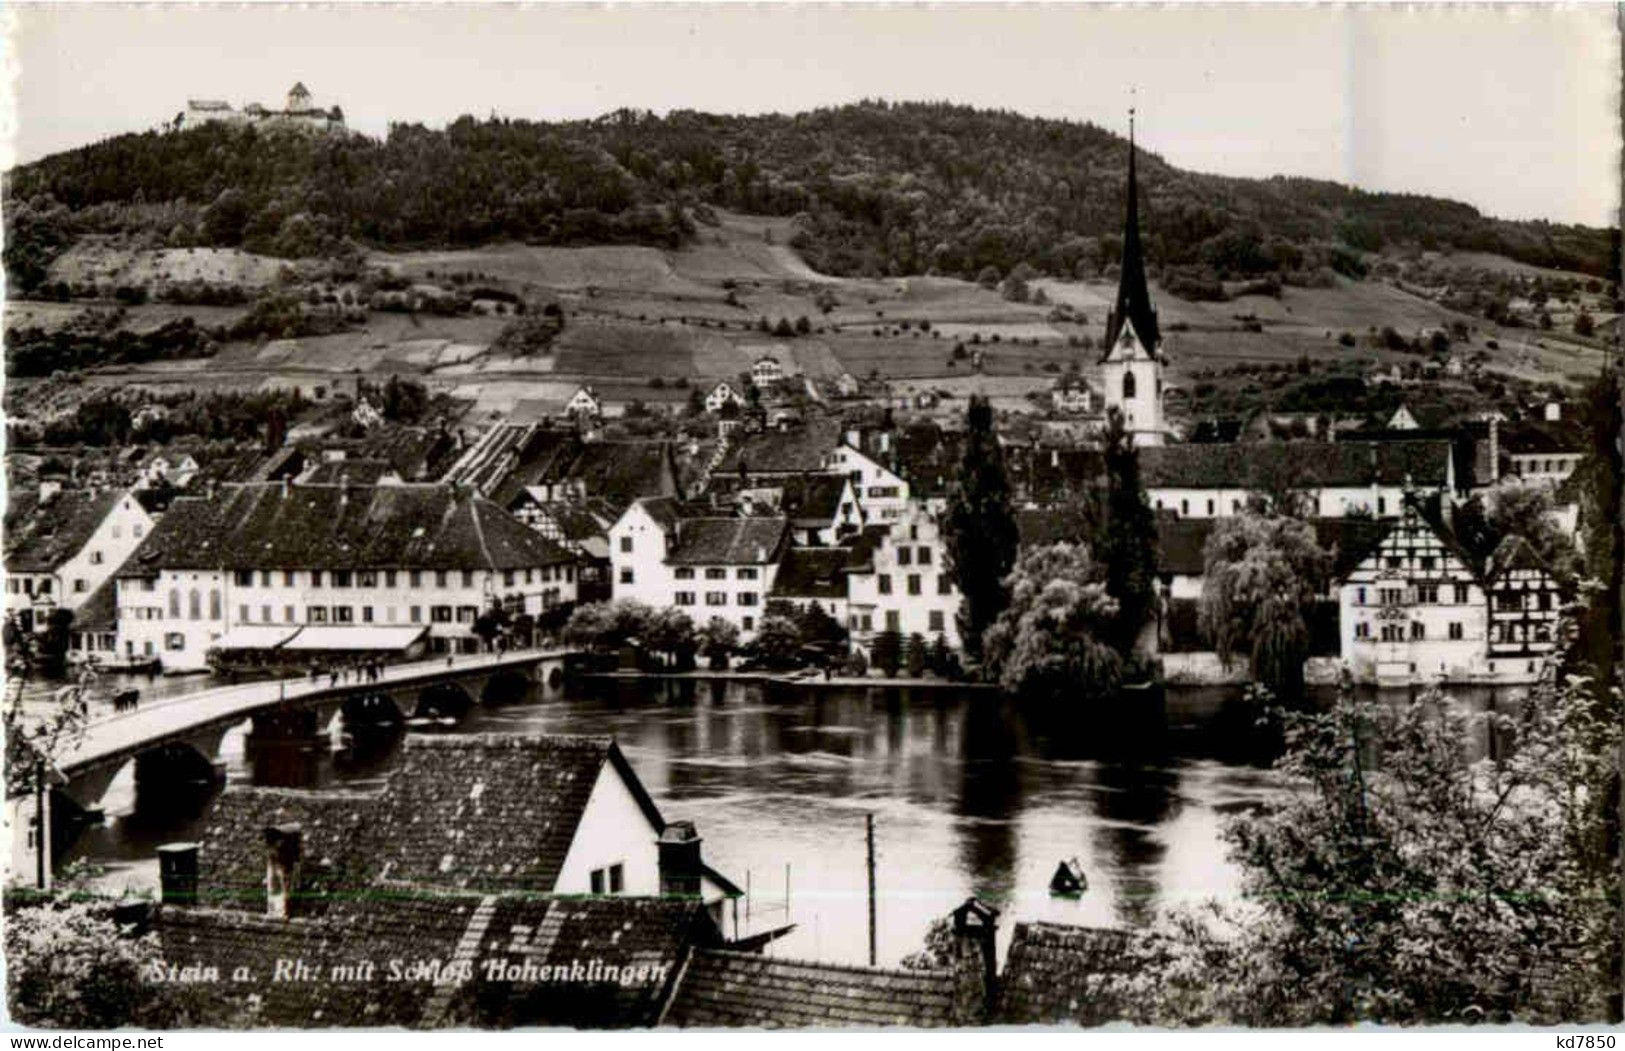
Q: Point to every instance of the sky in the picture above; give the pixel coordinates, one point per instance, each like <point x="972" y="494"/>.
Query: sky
<point x="1513" y="110"/>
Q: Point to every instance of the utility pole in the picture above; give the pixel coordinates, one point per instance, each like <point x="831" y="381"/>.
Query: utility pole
<point x="869" y="821"/>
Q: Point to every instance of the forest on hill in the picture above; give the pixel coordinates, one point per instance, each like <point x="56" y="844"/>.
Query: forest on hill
<point x="875" y="188"/>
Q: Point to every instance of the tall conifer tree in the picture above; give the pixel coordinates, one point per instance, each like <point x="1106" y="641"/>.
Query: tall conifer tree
<point x="981" y="528"/>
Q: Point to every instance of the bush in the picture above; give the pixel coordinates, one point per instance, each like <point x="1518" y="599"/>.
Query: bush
<point x="887" y="652"/>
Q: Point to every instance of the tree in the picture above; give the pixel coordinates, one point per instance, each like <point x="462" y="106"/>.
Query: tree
<point x="917" y="655"/>
<point x="607" y="626"/>
<point x="1261" y="577"/>
<point x="491" y="622"/>
<point x="1584" y="324"/>
<point x="1128" y="539"/>
<point x="51" y="650"/>
<point x="718" y="640"/>
<point x="670" y="632"/>
<point x="1053" y="640"/>
<point x="778" y="641"/>
<point x="1598" y="480"/>
<point x="980" y="528"/>
<point x="1406" y="881"/>
<point x="886" y="652"/>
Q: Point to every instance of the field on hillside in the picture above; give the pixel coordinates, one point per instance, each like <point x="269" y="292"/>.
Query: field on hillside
<point x="98" y="261"/>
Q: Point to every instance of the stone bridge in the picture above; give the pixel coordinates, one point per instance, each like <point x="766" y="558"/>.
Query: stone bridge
<point x="179" y="738"/>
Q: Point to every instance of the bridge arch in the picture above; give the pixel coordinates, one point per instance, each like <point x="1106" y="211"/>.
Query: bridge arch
<point x="443" y="699"/>
<point x="507" y="686"/>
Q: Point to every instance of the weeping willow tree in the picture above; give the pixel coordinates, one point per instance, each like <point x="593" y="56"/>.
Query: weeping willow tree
<point x="1054" y="639"/>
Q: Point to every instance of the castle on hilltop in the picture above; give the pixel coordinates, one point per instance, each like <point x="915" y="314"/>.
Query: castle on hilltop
<point x="299" y="112"/>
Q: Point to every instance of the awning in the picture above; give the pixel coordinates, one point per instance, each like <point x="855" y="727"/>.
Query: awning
<point x="255" y="637"/>
<point x="355" y="638"/>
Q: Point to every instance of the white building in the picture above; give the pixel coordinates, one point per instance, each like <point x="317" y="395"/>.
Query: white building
<point x="767" y="372"/>
<point x="883" y="493"/>
<point x="334" y="568"/>
<point x="723" y="394"/>
<point x="63" y="545"/>
<point x="584" y="404"/>
<point x="905" y="586"/>
<point x="1132" y="364"/>
<point x="706" y="566"/>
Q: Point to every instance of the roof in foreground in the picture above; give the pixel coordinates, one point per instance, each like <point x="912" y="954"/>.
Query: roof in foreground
<point x="1055" y="974"/>
<point x="721" y="988"/>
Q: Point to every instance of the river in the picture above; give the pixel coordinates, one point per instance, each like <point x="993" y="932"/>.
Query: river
<point x="970" y="794"/>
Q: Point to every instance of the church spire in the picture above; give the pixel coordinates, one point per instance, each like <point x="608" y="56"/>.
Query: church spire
<point x="1133" y="293"/>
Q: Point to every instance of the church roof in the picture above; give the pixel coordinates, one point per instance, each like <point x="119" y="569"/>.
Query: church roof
<point x="1133" y="293"/>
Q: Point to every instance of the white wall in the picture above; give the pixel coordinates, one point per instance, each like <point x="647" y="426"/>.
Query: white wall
<point x="613" y="829"/>
<point x="915" y="531"/>
<point x="881" y="492"/>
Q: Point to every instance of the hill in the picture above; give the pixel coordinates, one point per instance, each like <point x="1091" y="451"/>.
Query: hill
<point x="873" y="190"/>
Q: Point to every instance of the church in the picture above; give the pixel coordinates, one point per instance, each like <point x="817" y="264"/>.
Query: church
<point x="1132" y="360"/>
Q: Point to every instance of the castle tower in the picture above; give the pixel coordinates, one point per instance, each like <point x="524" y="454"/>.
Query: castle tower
<point x="1131" y="366"/>
<point x="298" y="98"/>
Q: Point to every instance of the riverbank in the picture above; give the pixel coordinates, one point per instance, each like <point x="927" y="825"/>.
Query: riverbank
<point x="792" y="679"/>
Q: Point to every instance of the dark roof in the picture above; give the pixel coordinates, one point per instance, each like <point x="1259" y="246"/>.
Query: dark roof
<point x="350" y="472"/>
<point x="647" y="937"/>
<point x="793" y="451"/>
<point x="720" y="988"/>
<point x="1325" y="464"/>
<point x="41" y="536"/>
<point x="727" y="541"/>
<point x="813" y="497"/>
<point x="99" y="612"/>
<point x="272" y="526"/>
<point x="813" y="572"/>
<point x="1133" y="302"/>
<point x="1045" y="526"/>
<point x="510" y="457"/>
<point x="1536" y="437"/>
<point x="1053" y="974"/>
<point x="1349" y="540"/>
<point x="480" y="812"/>
<point x="621" y="472"/>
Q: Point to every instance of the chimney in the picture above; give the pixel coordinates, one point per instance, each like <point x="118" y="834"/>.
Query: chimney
<point x="283" y="846"/>
<point x="177" y="873"/>
<point x="680" y="865"/>
<point x="1495" y="448"/>
<point x="975" y="961"/>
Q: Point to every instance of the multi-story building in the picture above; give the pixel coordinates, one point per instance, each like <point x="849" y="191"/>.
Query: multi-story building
<point x="906" y="586"/>
<point x="723" y="395"/>
<point x="256" y="565"/>
<point x="63" y="545"/>
<point x="1524" y="605"/>
<point x="706" y="566"/>
<point x="883" y="492"/>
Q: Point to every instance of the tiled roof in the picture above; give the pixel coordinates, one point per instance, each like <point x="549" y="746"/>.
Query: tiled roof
<point x="813" y="497"/>
<point x="482" y="812"/>
<point x="621" y="472"/>
<point x="269" y="526"/>
<point x="99" y="612"/>
<point x="1053" y="974"/>
<point x="351" y="472"/>
<point x="1044" y="526"/>
<point x="728" y="541"/>
<point x="720" y="988"/>
<point x="782" y="452"/>
<point x="812" y="572"/>
<point x="1325" y="464"/>
<point x="40" y="537"/>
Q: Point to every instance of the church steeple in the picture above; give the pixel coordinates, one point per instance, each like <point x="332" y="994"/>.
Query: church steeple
<point x="1133" y="293"/>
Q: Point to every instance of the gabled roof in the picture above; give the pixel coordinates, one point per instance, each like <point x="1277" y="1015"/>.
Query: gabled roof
<point x="728" y="541"/>
<point x="1342" y="464"/>
<point x="813" y="497"/>
<point x="272" y="526"/>
<point x="721" y="988"/>
<point x="40" y="537"/>
<point x="621" y="472"/>
<point x="352" y="472"/>
<point x="1054" y="973"/>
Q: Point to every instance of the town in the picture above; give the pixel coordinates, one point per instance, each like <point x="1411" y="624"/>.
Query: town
<point x="895" y="565"/>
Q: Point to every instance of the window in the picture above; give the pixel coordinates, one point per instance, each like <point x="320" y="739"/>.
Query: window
<point x="684" y="573"/>
<point x="1128" y="385"/>
<point x="1461" y="593"/>
<point x="683" y="598"/>
<point x="1427" y="561"/>
<point x="440" y="578"/>
<point x="1184" y="507"/>
<point x="883" y="583"/>
<point x="389" y="578"/>
<point x="343" y="614"/>
<point x="945" y="586"/>
<point x="716" y="573"/>
<point x="287" y="578"/>
<point x="366" y="614"/>
<point x="748" y="623"/>
<point x="468" y="578"/>
<point x="1359" y="597"/>
<point x="904" y="556"/>
<point x="626" y="575"/>
<point x="716" y="598"/>
<point x="467" y="614"/>
<point x="417" y="614"/>
<point x="1210" y="508"/>
<point x="214" y="604"/>
<point x="367" y="579"/>
<point x="913" y="583"/>
<point x="923" y="557"/>
<point x="341" y="578"/>
<point x="894" y="620"/>
<point x="530" y="576"/>
<point x="626" y="545"/>
<point x="1394" y="561"/>
<point x="1382" y="505"/>
<point x="79" y="587"/>
<point x="316" y="614"/>
<point x="174" y="641"/>
<point x="265" y="614"/>
<point x="746" y="573"/>
<point x="1454" y="631"/>
<point x="868" y="622"/>
<point x="1418" y="630"/>
<point x="1362" y="630"/>
<point x="936" y="620"/>
<point x="175" y="603"/>
<point x="507" y="578"/>
<point x="95" y="558"/>
<point x="440" y="614"/>
<point x="194" y="605"/>
<point x="414" y="578"/>
<point x="136" y="531"/>
<point x="242" y="613"/>
<point x="315" y="578"/>
<point x="1427" y="593"/>
<point x="747" y="598"/>
<point x="244" y="578"/>
<point x="287" y="614"/>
